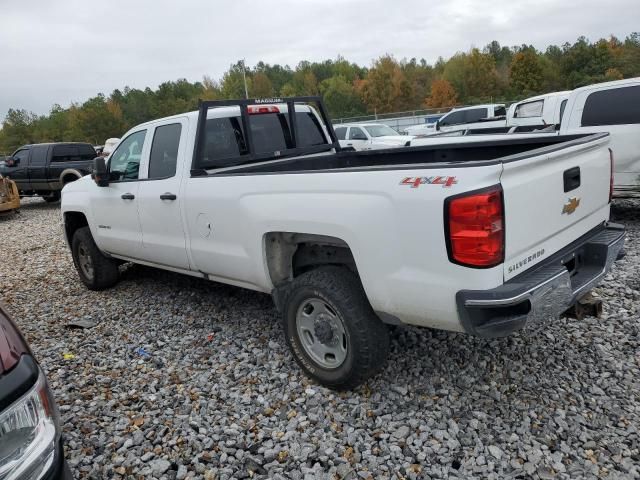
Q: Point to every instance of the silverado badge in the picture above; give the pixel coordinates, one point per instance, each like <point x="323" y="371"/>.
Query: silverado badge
<point x="571" y="205"/>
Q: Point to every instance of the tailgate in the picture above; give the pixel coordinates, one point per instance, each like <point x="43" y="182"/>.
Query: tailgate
<point x="540" y="217"/>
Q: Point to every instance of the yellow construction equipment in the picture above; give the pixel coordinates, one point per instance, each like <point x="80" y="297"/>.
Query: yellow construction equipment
<point x="9" y="197"/>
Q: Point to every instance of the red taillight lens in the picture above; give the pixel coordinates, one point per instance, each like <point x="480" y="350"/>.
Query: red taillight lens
<point x="255" y="109"/>
<point x="611" y="175"/>
<point x="476" y="228"/>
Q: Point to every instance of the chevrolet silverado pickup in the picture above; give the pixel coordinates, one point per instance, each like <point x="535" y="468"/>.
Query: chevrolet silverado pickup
<point x="485" y="238"/>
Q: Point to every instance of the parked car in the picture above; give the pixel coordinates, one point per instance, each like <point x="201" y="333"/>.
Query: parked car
<point x="43" y="169"/>
<point x="612" y="107"/>
<point x="370" y="136"/>
<point x="30" y="433"/>
<point x="477" y="116"/>
<point x="484" y="239"/>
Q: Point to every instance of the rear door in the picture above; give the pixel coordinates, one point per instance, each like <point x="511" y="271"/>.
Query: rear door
<point x="553" y="196"/>
<point x="160" y="198"/>
<point x="357" y="139"/>
<point x="38" y="167"/>
<point x="616" y="110"/>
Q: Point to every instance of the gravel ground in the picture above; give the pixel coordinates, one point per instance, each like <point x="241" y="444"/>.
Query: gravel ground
<point x="216" y="394"/>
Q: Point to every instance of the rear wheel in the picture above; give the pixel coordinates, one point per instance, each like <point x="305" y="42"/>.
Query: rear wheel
<point x="333" y="333"/>
<point x="51" y="197"/>
<point x="96" y="270"/>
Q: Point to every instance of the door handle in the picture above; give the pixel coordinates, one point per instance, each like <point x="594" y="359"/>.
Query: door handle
<point x="127" y="196"/>
<point x="571" y="179"/>
<point x="168" y="196"/>
<point x="349" y="144"/>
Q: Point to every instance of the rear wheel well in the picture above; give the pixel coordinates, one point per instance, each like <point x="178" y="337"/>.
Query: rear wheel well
<point x="72" y="222"/>
<point x="289" y="255"/>
<point x="69" y="177"/>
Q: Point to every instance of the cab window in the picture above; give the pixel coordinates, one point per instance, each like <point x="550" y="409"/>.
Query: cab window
<point x="124" y="163"/>
<point x="21" y="157"/>
<point x="341" y="133"/>
<point x="164" y="151"/>
<point x="615" y="106"/>
<point x="355" y="133"/>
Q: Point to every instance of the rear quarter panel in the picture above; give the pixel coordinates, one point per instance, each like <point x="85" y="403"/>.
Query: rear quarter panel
<point x="395" y="231"/>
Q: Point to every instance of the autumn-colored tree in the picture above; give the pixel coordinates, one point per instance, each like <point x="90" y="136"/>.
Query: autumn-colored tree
<point x="386" y="88"/>
<point x="473" y="75"/>
<point x="526" y="72"/>
<point x="442" y="95"/>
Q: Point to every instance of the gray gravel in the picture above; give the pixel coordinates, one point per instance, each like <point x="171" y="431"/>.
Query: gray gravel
<point x="215" y="394"/>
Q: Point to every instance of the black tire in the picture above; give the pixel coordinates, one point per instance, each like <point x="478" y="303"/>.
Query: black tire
<point x="105" y="270"/>
<point x="51" y="197"/>
<point x="367" y="338"/>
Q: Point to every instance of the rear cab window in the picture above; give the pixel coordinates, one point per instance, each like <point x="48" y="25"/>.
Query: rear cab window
<point x="529" y="109"/>
<point x="72" y="153"/>
<point x="225" y="142"/>
<point x="614" y="106"/>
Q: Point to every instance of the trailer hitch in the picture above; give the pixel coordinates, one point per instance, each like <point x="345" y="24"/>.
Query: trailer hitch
<point x="586" y="306"/>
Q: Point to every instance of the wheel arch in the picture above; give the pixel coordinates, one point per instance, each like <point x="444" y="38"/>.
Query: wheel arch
<point x="289" y="254"/>
<point x="69" y="175"/>
<point x="72" y="222"/>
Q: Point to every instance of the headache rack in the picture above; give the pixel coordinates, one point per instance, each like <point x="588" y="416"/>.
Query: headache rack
<point x="251" y="156"/>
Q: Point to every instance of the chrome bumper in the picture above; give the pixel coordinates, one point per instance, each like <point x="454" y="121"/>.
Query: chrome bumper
<point x="544" y="292"/>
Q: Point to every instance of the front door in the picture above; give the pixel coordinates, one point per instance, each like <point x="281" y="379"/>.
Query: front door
<point x="19" y="170"/>
<point x="163" y="236"/>
<point x="115" y="208"/>
<point x="358" y="139"/>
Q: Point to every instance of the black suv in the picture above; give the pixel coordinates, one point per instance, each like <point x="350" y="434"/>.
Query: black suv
<point x="44" y="168"/>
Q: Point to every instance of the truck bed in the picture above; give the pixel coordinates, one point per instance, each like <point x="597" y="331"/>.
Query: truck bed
<point x="484" y="152"/>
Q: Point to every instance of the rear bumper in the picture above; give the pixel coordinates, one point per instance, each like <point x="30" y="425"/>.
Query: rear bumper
<point x="545" y="291"/>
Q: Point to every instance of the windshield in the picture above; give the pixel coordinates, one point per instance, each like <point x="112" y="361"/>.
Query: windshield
<point x="380" y="131"/>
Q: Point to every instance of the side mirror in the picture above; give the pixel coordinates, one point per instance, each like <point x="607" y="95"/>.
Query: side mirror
<point x="437" y="124"/>
<point x="100" y="174"/>
<point x="11" y="161"/>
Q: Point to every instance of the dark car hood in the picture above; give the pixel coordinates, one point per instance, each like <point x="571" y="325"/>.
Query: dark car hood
<point x="12" y="343"/>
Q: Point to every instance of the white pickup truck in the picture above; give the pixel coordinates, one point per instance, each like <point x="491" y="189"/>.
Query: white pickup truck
<point x="370" y="136"/>
<point x="611" y="107"/>
<point x="484" y="239"/>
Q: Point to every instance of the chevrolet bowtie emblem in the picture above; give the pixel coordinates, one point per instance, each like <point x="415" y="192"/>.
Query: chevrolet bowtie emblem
<point x="571" y="205"/>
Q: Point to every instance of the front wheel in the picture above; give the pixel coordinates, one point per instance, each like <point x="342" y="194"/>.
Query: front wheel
<point x="96" y="271"/>
<point x="333" y="333"/>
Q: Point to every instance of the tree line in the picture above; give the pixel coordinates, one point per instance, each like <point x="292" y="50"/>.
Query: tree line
<point x="492" y="73"/>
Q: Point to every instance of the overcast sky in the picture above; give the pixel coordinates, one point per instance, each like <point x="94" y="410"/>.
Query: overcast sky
<point x="59" y="51"/>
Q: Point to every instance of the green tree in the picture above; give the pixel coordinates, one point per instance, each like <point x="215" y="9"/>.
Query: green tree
<point x="341" y="97"/>
<point x="526" y="73"/>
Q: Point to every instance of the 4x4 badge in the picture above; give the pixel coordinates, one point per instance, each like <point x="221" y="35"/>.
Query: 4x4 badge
<point x="415" y="182"/>
<point x="571" y="205"/>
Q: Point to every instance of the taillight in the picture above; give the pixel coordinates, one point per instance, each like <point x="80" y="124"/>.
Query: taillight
<point x="255" y="109"/>
<point x="475" y="228"/>
<point x="610" y="175"/>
